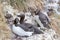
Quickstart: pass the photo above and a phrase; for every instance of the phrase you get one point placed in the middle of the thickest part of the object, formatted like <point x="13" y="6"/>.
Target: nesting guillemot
<point x="18" y="30"/>
<point x="30" y="26"/>
<point x="9" y="18"/>
<point x="43" y="18"/>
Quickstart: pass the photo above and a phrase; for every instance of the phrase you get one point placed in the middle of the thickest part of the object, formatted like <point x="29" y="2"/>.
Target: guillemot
<point x="43" y="18"/>
<point x="18" y="30"/>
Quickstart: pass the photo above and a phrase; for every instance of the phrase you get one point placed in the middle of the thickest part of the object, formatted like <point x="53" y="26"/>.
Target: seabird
<point x="18" y="30"/>
<point x="9" y="19"/>
<point x="44" y="20"/>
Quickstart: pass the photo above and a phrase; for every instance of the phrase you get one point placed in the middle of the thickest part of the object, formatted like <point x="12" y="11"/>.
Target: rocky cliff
<point x="20" y="5"/>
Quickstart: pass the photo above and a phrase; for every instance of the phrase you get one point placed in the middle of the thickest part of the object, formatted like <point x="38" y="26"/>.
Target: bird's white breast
<point x="19" y="31"/>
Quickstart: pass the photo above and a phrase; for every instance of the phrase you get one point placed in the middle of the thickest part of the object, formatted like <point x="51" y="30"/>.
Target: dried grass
<point x="55" y="22"/>
<point x="4" y="30"/>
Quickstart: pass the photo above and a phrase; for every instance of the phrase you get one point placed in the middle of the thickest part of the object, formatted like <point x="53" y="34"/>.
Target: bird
<point x="18" y="30"/>
<point x="43" y="18"/>
<point x="28" y="25"/>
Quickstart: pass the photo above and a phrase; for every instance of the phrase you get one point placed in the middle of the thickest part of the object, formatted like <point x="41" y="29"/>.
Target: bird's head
<point x="8" y="16"/>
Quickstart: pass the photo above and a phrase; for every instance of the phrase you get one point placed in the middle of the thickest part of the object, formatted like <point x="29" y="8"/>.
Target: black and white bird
<point x="43" y="18"/>
<point x="19" y="30"/>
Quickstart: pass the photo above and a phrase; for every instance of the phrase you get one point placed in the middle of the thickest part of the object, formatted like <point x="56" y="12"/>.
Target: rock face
<point x="4" y="30"/>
